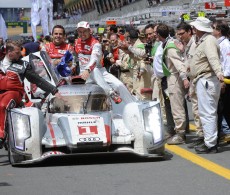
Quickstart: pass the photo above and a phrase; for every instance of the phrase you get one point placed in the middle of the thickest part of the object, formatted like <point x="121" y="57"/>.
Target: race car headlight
<point x="21" y="129"/>
<point x="152" y="122"/>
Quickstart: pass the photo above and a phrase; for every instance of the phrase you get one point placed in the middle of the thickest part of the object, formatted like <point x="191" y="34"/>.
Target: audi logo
<point x="89" y="139"/>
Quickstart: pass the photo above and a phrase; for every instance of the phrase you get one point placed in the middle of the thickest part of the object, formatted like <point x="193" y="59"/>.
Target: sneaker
<point x="115" y="97"/>
<point x="196" y="142"/>
<point x="176" y="140"/>
<point x="168" y="135"/>
<point x="200" y="133"/>
<point x="224" y="139"/>
<point x="203" y="149"/>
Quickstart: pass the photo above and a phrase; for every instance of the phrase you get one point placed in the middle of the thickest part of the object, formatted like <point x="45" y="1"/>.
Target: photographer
<point x="139" y="70"/>
<point x="115" y="55"/>
<point x="152" y="43"/>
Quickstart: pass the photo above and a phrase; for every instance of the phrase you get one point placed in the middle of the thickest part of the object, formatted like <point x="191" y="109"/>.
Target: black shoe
<point x="196" y="142"/>
<point x="1" y="143"/>
<point x="203" y="149"/>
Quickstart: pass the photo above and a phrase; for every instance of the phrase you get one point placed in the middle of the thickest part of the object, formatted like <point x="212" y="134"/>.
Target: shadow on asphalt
<point x="4" y="160"/>
<point x="96" y="159"/>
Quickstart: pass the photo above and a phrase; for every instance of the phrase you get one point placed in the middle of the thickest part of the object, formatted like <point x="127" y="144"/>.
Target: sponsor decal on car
<point x="90" y="139"/>
<point x="52" y="153"/>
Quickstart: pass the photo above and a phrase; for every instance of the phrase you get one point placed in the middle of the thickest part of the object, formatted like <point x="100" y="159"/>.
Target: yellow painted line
<point x="196" y="159"/>
<point x="192" y="127"/>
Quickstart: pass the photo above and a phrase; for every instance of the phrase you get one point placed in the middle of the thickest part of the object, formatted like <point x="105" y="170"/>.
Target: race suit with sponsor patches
<point x="12" y="75"/>
<point x="89" y="54"/>
<point x="56" y="52"/>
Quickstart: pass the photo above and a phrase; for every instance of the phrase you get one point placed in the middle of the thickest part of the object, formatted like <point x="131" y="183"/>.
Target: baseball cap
<point x="83" y="24"/>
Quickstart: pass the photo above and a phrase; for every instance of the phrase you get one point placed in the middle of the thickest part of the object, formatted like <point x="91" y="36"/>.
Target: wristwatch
<point x="88" y="70"/>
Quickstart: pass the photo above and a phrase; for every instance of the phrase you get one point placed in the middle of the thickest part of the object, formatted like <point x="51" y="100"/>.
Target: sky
<point x="15" y="3"/>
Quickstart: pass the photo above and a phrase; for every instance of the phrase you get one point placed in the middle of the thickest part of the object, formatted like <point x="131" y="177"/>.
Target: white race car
<point x="82" y="122"/>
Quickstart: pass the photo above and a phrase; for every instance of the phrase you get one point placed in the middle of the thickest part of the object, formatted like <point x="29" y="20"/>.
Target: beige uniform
<point x="205" y="68"/>
<point x="176" y="88"/>
<point x="138" y="65"/>
<point x="188" y="54"/>
<point x="126" y="76"/>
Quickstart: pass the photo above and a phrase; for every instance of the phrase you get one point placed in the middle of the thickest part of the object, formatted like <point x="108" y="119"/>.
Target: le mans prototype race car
<point x="82" y="122"/>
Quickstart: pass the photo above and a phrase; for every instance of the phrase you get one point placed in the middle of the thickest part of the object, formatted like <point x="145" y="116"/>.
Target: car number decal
<point x="87" y="130"/>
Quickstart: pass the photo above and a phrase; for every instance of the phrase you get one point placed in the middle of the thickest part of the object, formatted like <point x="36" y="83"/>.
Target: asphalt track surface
<point x="183" y="172"/>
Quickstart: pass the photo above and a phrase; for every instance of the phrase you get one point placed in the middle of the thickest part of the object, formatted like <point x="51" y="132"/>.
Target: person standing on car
<point x="13" y="71"/>
<point x="89" y="52"/>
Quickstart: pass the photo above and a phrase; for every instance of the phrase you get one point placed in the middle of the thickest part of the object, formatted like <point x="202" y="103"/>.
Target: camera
<point x="148" y="49"/>
<point x="104" y="40"/>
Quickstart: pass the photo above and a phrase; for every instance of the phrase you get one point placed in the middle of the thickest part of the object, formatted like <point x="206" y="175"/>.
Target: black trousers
<point x="168" y="111"/>
<point x="224" y="108"/>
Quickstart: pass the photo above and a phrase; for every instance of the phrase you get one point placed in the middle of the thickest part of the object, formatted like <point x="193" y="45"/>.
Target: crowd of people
<point x="157" y="62"/>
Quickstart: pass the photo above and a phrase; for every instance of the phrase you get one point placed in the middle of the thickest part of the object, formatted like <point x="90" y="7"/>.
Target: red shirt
<point x="57" y="51"/>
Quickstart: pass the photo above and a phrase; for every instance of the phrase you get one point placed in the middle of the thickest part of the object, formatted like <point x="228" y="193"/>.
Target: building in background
<point x="14" y="11"/>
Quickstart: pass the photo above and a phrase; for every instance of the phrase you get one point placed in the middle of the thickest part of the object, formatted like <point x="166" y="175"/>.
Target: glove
<point x="63" y="68"/>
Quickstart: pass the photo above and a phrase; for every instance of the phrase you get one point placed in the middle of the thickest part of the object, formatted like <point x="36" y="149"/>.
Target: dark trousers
<point x="168" y="112"/>
<point x="224" y="108"/>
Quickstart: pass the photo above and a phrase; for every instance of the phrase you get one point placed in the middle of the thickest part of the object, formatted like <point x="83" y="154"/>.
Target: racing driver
<point x="12" y="73"/>
<point x="89" y="52"/>
<point x="58" y="47"/>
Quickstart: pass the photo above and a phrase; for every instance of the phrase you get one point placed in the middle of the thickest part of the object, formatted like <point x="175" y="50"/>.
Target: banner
<point x="35" y="18"/>
<point x="50" y="7"/>
<point x="44" y="17"/>
<point x="201" y="14"/>
<point x="226" y="3"/>
<point x="186" y="17"/>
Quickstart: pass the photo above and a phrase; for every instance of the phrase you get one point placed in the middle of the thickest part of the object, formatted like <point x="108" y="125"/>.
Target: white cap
<point x="83" y="24"/>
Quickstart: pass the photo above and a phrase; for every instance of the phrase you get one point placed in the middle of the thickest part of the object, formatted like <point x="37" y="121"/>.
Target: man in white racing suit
<point x="89" y="52"/>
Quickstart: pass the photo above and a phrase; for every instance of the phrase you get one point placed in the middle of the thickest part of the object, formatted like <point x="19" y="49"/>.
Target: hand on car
<point x="58" y="95"/>
<point x="85" y="75"/>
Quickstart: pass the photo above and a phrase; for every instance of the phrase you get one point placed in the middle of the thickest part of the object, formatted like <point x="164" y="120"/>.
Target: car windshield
<point x="79" y="104"/>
